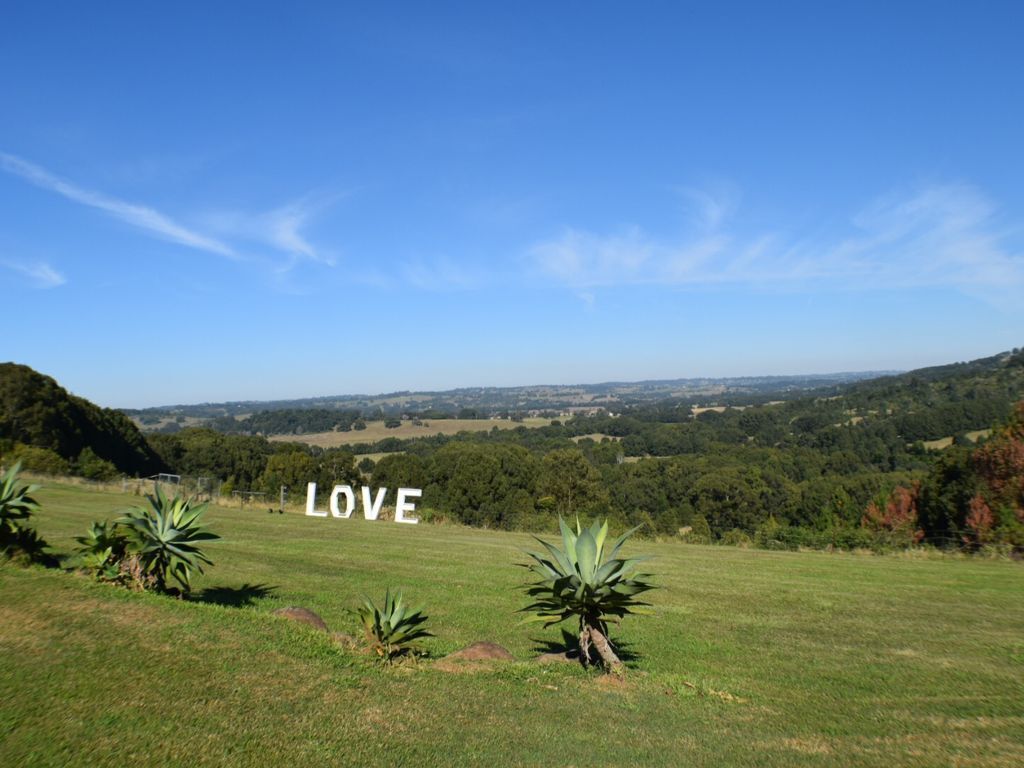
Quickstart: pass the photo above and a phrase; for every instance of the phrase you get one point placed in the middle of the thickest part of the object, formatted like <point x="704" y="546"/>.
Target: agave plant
<point x="102" y="550"/>
<point x="165" y="537"/>
<point x="16" y="503"/>
<point x="587" y="580"/>
<point x="391" y="631"/>
<point x="16" y="507"/>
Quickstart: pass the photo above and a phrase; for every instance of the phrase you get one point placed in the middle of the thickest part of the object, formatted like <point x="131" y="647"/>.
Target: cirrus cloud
<point x="934" y="236"/>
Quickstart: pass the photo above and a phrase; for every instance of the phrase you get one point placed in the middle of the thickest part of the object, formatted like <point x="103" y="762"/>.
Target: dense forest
<point x="862" y="464"/>
<point x="57" y="432"/>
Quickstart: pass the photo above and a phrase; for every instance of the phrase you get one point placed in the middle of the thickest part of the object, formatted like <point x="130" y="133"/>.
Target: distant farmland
<point x="375" y="430"/>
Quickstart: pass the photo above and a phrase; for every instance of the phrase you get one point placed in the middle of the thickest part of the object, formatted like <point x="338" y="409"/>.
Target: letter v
<point x="371" y="510"/>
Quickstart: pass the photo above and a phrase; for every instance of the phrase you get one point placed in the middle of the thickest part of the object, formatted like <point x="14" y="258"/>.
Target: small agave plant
<point x="391" y="631"/>
<point x="102" y="550"/>
<point x="586" y="580"/>
<point x="165" y="537"/>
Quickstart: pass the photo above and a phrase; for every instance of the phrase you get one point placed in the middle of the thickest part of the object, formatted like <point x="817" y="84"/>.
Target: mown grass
<point x="375" y="430"/>
<point x="753" y="658"/>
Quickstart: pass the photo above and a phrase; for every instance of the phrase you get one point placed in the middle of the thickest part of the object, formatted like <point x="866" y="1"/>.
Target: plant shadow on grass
<point x="569" y="647"/>
<point x="234" y="597"/>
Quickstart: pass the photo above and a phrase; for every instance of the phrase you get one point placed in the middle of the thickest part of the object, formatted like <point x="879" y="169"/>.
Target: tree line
<point x="832" y="470"/>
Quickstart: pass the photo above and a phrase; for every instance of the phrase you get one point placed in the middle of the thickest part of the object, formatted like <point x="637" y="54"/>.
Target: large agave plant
<point x="16" y="507"/>
<point x="586" y="579"/>
<point x="391" y="631"/>
<point x="16" y="502"/>
<point x="165" y="536"/>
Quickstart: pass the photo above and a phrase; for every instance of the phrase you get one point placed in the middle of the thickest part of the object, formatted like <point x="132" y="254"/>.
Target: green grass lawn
<point x="754" y="658"/>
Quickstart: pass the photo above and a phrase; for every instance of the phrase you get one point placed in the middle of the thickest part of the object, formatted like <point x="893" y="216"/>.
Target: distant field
<point x="375" y="430"/>
<point x="597" y="437"/>
<point x="752" y="658"/>
<point x="945" y="442"/>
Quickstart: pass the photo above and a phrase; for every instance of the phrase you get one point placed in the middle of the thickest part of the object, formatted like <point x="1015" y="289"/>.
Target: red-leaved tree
<point x="999" y="464"/>
<point x="980" y="522"/>
<point x="899" y="518"/>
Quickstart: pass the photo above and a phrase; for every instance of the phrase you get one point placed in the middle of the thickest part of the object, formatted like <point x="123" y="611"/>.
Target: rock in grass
<point x="303" y="615"/>
<point x="481" y="652"/>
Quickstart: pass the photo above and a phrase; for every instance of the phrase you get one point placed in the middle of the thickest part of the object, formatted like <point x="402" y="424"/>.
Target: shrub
<point x="36" y="459"/>
<point x="699" y="532"/>
<point x="393" y="630"/>
<point x="165" y="538"/>
<point x="17" y="538"/>
<point x="92" y="467"/>
<point x="102" y="550"/>
<point x="585" y="580"/>
<point x="736" y="538"/>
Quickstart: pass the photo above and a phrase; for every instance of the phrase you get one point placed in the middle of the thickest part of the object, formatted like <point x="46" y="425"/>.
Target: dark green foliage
<point x="573" y="482"/>
<point x="700" y="531"/>
<point x="481" y="484"/>
<point x="287" y="421"/>
<point x="399" y="470"/>
<point x="92" y="467"/>
<point x="35" y="459"/>
<point x="203" y="452"/>
<point x="36" y="411"/>
<point x="294" y="465"/>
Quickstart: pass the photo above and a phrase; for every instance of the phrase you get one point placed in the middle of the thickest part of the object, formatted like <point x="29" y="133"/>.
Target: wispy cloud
<point x="440" y="275"/>
<point x="280" y="229"/>
<point x="939" y="235"/>
<point x="41" y="274"/>
<point x="137" y="215"/>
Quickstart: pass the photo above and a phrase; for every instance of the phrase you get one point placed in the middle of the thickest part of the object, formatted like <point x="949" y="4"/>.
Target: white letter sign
<point x="402" y="506"/>
<point x="311" y="502"/>
<point x="371" y="509"/>
<point x="372" y="503"/>
<point x="350" y="501"/>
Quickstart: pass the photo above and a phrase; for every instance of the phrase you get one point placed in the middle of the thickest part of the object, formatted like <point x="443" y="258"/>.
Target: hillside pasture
<point x="752" y="657"/>
<point x="375" y="430"/>
<point x="944" y="442"/>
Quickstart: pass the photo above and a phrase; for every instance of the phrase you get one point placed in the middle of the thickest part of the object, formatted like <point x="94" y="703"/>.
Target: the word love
<point x="372" y="503"/>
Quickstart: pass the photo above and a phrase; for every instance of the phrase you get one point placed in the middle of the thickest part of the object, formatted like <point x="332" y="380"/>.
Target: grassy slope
<point x="375" y="430"/>
<point x="835" y="659"/>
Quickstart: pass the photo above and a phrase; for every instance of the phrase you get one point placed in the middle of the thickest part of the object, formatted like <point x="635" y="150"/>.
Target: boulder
<point x="303" y="615"/>
<point x="481" y="652"/>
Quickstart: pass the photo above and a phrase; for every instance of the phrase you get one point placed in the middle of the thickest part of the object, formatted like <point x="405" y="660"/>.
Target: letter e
<point x="402" y="506"/>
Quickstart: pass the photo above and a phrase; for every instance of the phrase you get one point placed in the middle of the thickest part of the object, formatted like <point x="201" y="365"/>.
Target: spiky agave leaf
<point x="393" y="630"/>
<point x="166" y="537"/>
<point x="586" y="579"/>
<point x="16" y="501"/>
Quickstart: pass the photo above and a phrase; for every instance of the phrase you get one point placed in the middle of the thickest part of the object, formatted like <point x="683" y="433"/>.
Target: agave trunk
<point x="592" y="634"/>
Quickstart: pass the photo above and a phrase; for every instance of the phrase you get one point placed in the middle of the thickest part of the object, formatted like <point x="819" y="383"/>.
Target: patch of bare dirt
<point x="472" y="658"/>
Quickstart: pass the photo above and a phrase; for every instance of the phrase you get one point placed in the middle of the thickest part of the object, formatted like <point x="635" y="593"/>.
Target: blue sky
<point x="217" y="201"/>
